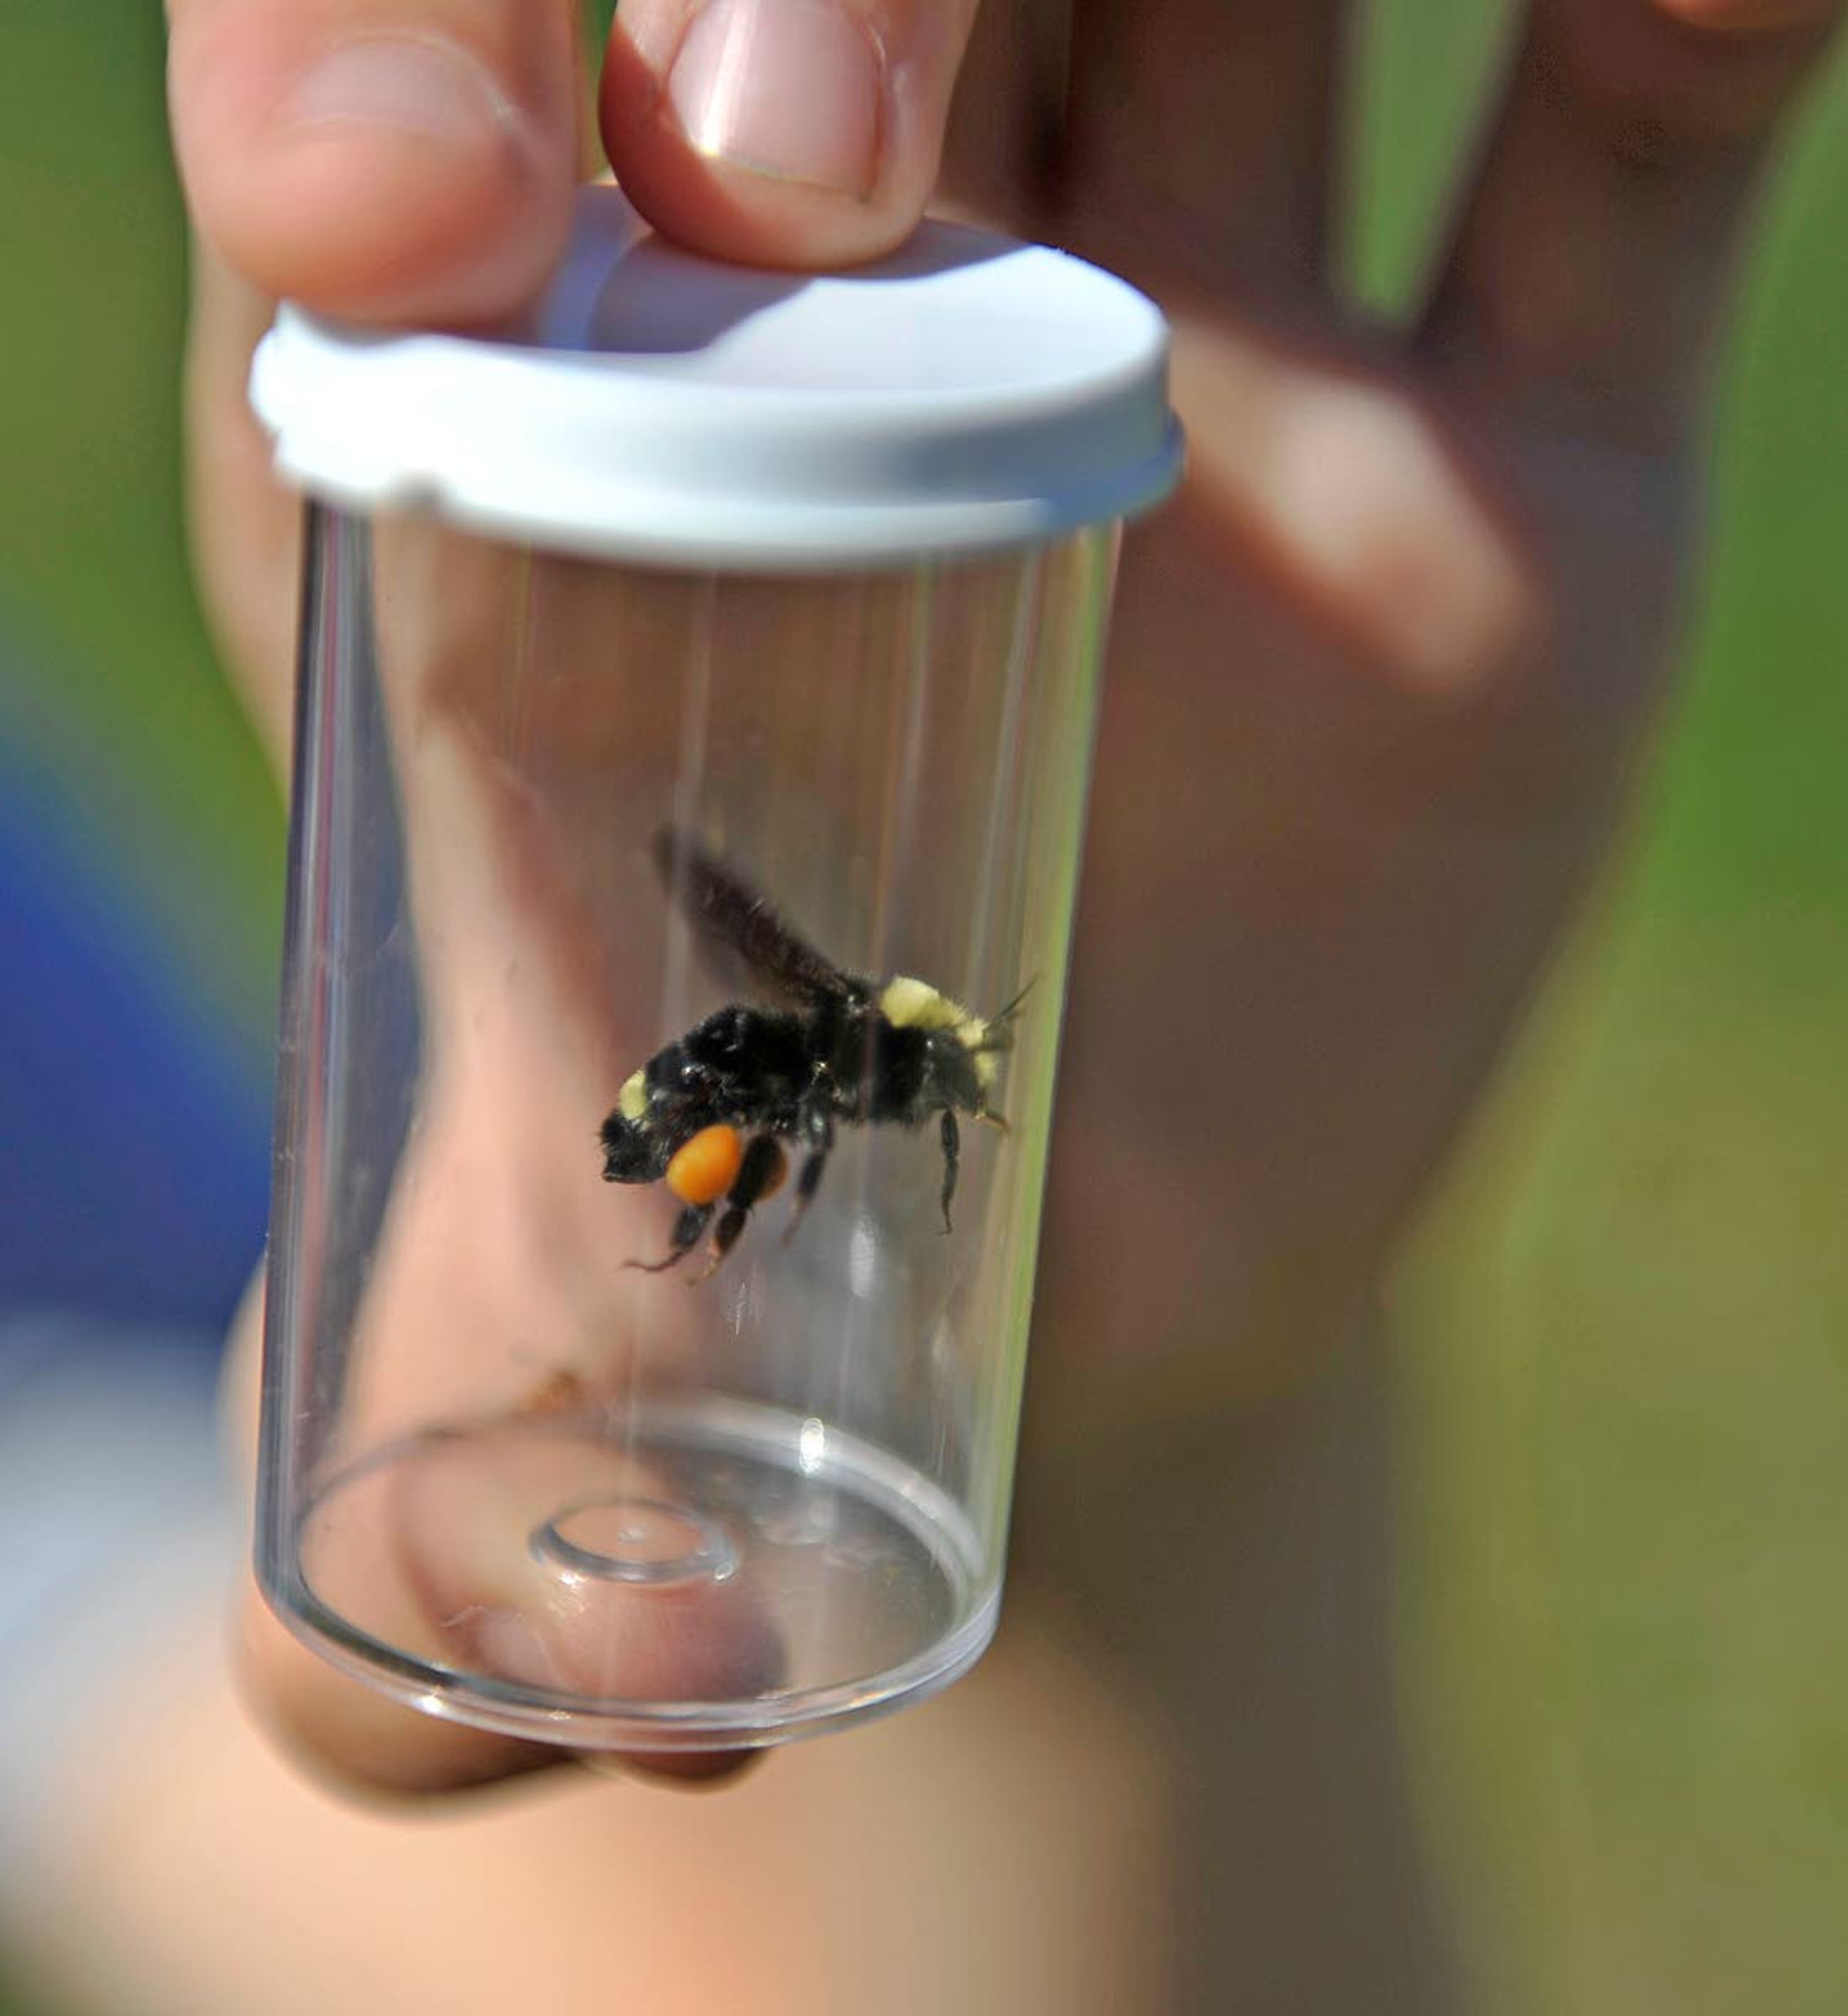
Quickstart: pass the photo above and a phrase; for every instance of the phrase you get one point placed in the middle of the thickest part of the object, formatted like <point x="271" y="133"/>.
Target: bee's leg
<point x="724" y="1239"/>
<point x="807" y="1184"/>
<point x="818" y="1133"/>
<point x="760" y="1174"/>
<point x="953" y="1149"/>
<point x="688" y="1227"/>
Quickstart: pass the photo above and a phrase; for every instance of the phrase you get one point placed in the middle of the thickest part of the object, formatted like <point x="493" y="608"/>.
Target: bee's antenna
<point x="1001" y="1019"/>
<point x="995" y="1034"/>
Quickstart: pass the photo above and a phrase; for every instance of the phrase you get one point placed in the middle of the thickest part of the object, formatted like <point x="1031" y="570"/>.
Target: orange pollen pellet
<point x="705" y="1167"/>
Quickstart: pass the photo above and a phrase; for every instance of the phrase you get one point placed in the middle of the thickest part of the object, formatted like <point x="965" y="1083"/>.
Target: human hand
<point x="1381" y="673"/>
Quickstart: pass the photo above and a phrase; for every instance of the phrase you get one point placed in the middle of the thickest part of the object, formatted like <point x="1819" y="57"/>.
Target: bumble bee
<point x="710" y="1112"/>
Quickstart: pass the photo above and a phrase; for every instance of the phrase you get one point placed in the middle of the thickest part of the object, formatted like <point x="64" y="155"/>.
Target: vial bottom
<point x="714" y="1573"/>
<point x="634" y="1540"/>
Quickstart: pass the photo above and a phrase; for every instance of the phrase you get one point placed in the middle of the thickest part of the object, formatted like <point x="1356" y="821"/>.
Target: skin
<point x="1416" y="603"/>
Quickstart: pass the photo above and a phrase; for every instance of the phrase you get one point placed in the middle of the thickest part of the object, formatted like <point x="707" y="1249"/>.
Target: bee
<point x="712" y="1111"/>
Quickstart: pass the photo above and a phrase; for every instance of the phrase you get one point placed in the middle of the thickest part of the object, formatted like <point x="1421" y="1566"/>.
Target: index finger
<point x="381" y="159"/>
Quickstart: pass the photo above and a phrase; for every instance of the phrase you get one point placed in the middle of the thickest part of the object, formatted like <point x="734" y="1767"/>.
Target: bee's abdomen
<point x="737" y="1053"/>
<point x="751" y="1068"/>
<point x="753" y="1043"/>
<point x="633" y="1152"/>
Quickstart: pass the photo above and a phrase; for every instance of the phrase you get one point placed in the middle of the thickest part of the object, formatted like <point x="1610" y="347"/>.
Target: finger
<point x="494" y="1295"/>
<point x="379" y="159"/>
<point x="349" y="1732"/>
<point x="446" y="1573"/>
<point x="392" y="159"/>
<point x="355" y="1735"/>
<point x="1593" y="261"/>
<point x="245" y="526"/>
<point x="782" y="132"/>
<point x="1196" y="131"/>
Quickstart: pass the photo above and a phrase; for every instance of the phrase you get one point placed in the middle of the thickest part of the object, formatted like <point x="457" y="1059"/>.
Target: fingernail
<point x="426" y="87"/>
<point x="790" y="89"/>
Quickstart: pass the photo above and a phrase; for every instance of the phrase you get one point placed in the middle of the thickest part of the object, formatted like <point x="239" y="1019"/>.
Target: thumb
<point x="782" y="132"/>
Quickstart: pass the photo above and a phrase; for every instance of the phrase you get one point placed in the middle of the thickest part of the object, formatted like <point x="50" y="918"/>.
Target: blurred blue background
<point x="134" y="1117"/>
<point x="1624" y="1336"/>
<point x="139" y="837"/>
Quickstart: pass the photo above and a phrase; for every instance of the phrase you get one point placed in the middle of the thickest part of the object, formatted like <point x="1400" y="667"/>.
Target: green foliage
<point x="92" y="558"/>
<point x="1627" y="1334"/>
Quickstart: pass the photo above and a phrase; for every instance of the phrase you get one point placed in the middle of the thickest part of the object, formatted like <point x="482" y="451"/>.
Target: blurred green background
<point x="1624" y="1334"/>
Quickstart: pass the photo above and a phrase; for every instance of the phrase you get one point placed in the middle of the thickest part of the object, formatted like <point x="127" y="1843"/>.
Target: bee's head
<point x="964" y="1050"/>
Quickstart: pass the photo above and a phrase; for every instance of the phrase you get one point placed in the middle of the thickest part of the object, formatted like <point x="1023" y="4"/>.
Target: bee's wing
<point x="733" y="918"/>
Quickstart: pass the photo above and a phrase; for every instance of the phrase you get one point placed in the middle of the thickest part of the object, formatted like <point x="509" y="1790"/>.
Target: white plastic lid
<point x="967" y="394"/>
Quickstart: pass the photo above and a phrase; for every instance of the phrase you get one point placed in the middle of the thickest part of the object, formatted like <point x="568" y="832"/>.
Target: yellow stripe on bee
<point x="915" y="1004"/>
<point x="631" y="1101"/>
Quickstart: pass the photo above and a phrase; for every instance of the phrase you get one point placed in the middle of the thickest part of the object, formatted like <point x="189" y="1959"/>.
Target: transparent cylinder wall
<point x="544" y="808"/>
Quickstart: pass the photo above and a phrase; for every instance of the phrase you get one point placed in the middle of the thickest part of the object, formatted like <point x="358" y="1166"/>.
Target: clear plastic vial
<point x="697" y="689"/>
